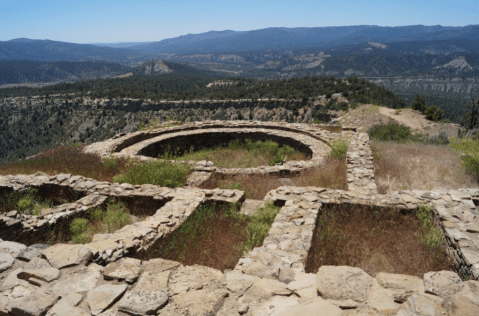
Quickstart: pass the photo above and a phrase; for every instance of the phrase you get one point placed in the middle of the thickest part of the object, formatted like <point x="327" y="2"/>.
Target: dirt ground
<point x="367" y="237"/>
<point x="367" y="115"/>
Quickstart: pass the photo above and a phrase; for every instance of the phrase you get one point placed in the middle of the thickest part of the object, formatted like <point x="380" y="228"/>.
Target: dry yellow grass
<point x="418" y="166"/>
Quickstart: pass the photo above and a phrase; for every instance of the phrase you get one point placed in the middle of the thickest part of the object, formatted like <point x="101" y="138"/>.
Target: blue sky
<point x="88" y="21"/>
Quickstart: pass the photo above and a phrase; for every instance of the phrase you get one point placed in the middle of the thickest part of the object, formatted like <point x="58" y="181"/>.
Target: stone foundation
<point x="98" y="279"/>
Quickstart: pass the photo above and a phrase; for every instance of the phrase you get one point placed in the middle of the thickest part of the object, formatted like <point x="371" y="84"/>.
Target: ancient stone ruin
<point x="102" y="277"/>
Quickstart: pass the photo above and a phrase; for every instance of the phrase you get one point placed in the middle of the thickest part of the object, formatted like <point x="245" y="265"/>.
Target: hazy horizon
<point x="108" y="21"/>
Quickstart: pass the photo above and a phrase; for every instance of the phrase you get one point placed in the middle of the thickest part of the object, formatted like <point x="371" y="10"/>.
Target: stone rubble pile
<point x="49" y="284"/>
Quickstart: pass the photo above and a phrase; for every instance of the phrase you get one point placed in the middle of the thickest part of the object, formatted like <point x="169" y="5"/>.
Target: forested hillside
<point x="93" y="110"/>
<point x="21" y="71"/>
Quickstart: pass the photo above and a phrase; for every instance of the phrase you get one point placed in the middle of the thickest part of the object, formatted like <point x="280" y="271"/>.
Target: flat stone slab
<point x="343" y="283"/>
<point x="143" y="302"/>
<point x="442" y="283"/>
<point x="249" y="207"/>
<point x="6" y="261"/>
<point x="127" y="269"/>
<point x="102" y="297"/>
<point x="32" y="251"/>
<point x="81" y="282"/>
<point x="45" y="274"/>
<point x="12" y="248"/>
<point x="68" y="306"/>
<point x="63" y="255"/>
<point x="35" y="304"/>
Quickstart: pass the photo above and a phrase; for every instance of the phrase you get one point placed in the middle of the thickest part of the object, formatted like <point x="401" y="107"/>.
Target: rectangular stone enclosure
<point x="378" y="239"/>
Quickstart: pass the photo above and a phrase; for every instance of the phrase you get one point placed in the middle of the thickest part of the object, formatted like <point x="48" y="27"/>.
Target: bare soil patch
<point x="209" y="237"/>
<point x="418" y="166"/>
<point x="373" y="239"/>
<point x="365" y="116"/>
<point x="331" y="174"/>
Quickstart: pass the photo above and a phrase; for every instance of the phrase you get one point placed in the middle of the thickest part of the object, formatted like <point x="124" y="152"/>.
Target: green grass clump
<point x="158" y="172"/>
<point x="469" y="147"/>
<point x="429" y="235"/>
<point x="339" y="148"/>
<point x="99" y="222"/>
<point x="259" y="225"/>
<point x="82" y="230"/>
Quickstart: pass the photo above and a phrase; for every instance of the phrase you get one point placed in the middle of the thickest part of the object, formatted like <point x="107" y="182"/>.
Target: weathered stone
<point x="286" y="275"/>
<point x="200" y="303"/>
<point x="342" y="283"/>
<point x="68" y="306"/>
<point x="314" y="307"/>
<point x="37" y="264"/>
<point x="274" y="306"/>
<point x="262" y="271"/>
<point x="460" y="306"/>
<point x="6" y="261"/>
<point x="44" y="274"/>
<point x="32" y="251"/>
<point x="11" y="280"/>
<point x="143" y="302"/>
<point x="63" y="255"/>
<point x="407" y="283"/>
<point x="263" y="289"/>
<point x="193" y="278"/>
<point x="127" y="269"/>
<point x="12" y="248"/>
<point x="36" y="304"/>
<point x="81" y="282"/>
<point x="148" y="296"/>
<point x="347" y="304"/>
<point x="381" y="299"/>
<point x="238" y="282"/>
<point x="442" y="283"/>
<point x="102" y="297"/>
<point x="425" y="304"/>
<point x="302" y="281"/>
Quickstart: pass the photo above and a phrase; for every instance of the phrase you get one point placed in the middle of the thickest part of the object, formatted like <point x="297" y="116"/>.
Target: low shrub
<point x="159" y="172"/>
<point x="393" y="132"/>
<point x="471" y="163"/>
<point x="390" y="132"/>
<point x="26" y="201"/>
<point x="469" y="149"/>
<point x="339" y="148"/>
<point x="439" y="139"/>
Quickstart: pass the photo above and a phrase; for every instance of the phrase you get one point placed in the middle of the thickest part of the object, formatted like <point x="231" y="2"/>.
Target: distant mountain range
<point x="364" y="50"/>
<point x="301" y="38"/>
<point x="21" y="71"/>
<point x="46" y="50"/>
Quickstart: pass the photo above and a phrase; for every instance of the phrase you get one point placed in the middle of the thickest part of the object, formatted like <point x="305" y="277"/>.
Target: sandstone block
<point x="342" y="283"/>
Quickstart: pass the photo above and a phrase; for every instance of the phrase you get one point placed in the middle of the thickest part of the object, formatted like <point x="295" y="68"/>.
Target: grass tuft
<point x="339" y="149"/>
<point x="247" y="154"/>
<point x="158" y="172"/>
